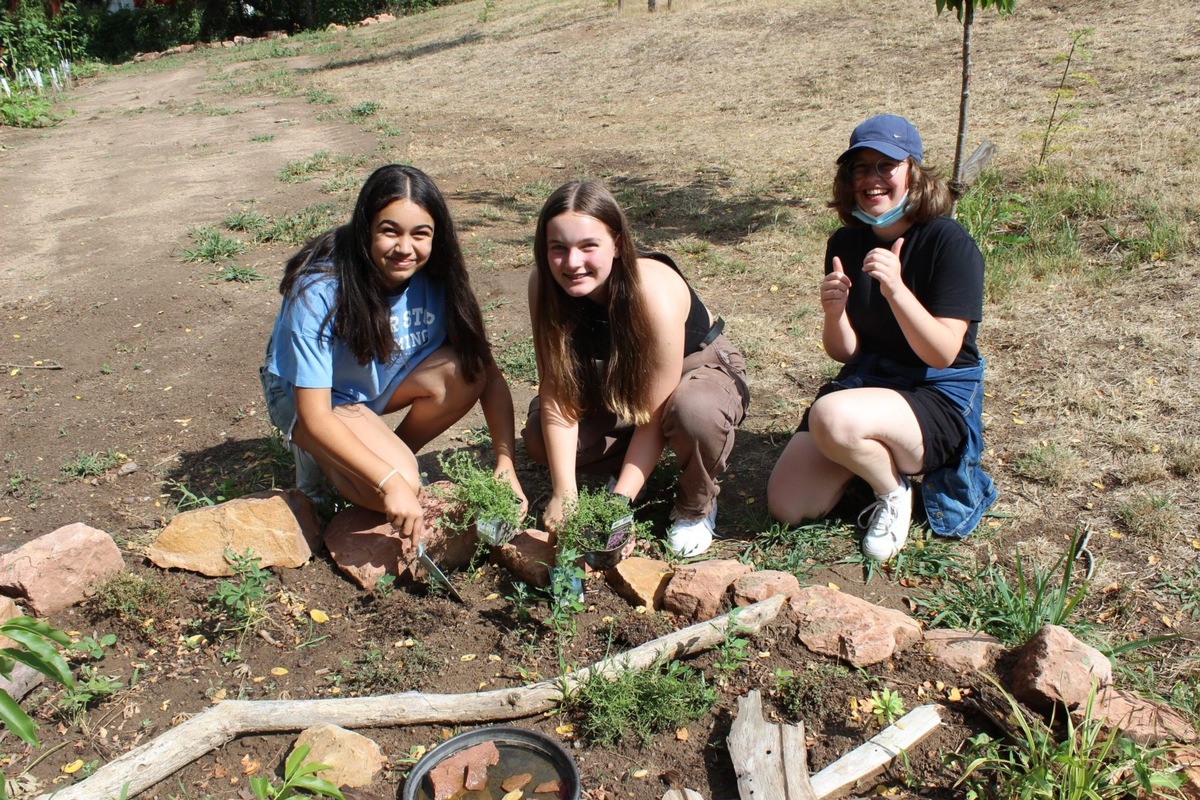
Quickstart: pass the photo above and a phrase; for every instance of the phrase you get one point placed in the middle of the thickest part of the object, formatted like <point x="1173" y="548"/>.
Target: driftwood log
<point x="771" y="761"/>
<point x="161" y="757"/>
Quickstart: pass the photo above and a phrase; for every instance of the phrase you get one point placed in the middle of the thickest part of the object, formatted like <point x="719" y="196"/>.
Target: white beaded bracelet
<point x="385" y="479"/>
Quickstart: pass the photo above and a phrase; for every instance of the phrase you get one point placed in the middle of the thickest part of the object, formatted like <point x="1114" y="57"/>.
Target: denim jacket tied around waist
<point x="956" y="495"/>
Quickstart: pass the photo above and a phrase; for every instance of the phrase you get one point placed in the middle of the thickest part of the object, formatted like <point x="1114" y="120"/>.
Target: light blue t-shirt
<point x="304" y="355"/>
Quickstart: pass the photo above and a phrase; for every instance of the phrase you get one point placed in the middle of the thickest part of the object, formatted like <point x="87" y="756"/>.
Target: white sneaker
<point x="691" y="537"/>
<point x="887" y="528"/>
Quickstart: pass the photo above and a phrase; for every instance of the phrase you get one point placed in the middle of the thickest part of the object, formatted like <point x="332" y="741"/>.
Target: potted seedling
<point x="598" y="525"/>
<point x="489" y="504"/>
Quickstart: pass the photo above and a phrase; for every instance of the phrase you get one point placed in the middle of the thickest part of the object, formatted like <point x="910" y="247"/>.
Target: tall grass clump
<point x="1013" y="609"/>
<point x="1086" y="760"/>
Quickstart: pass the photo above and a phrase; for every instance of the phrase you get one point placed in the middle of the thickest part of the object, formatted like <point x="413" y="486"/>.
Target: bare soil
<point x="718" y="123"/>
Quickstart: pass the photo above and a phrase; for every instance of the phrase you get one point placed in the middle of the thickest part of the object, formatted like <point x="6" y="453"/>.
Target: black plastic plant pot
<point x="609" y="555"/>
<point x="522" y="751"/>
<point x="494" y="532"/>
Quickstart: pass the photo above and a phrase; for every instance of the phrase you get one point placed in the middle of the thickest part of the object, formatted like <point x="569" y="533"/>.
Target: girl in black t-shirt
<point x="902" y="297"/>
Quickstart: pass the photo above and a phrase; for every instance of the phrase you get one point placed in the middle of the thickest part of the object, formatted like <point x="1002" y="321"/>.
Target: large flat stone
<point x="281" y="527"/>
<point x="837" y="624"/>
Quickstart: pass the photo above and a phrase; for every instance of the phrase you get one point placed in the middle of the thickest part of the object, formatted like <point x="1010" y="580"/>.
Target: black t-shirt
<point x="939" y="263"/>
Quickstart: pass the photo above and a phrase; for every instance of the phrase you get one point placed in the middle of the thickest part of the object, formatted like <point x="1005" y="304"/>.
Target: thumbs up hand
<point x="835" y="289"/>
<point x="883" y="264"/>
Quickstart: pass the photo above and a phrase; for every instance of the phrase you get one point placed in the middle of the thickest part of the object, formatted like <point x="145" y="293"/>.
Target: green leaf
<point x="17" y="721"/>
<point x="35" y="626"/>
<point x="40" y="655"/>
<point x="318" y="785"/>
<point x="295" y="760"/>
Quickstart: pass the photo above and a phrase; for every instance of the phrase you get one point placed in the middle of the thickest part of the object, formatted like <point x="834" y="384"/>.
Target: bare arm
<point x="372" y="481"/>
<point x="559" y="434"/>
<point x="837" y="335"/>
<point x="668" y="301"/>
<point x="497" y="406"/>
<point x="935" y="340"/>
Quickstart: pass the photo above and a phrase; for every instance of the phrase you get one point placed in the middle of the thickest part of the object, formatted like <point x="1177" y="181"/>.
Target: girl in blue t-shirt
<point x="378" y="316"/>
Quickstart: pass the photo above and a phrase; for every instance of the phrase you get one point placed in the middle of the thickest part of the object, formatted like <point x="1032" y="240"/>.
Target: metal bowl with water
<point x="522" y="751"/>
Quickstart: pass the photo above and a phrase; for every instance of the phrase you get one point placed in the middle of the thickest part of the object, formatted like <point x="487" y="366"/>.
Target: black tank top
<point x="593" y="319"/>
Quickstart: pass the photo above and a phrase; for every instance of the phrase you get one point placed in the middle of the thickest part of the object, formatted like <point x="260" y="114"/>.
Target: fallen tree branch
<point x="150" y="763"/>
<point x="32" y="366"/>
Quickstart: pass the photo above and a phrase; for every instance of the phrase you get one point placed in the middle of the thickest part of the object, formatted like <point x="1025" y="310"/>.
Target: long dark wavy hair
<point x="361" y="313"/>
<point x="928" y="195"/>
<point x="566" y="353"/>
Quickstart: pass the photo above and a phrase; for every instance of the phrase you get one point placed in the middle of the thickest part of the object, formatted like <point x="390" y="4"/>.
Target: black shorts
<point x="943" y="430"/>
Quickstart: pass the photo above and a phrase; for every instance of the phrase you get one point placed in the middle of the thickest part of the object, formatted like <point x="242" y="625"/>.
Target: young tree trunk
<point x="960" y="146"/>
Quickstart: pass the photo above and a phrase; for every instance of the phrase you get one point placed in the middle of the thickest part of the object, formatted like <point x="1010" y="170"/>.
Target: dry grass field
<point x="717" y="123"/>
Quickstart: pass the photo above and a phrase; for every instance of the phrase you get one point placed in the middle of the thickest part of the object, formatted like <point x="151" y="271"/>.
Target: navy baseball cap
<point x="889" y="134"/>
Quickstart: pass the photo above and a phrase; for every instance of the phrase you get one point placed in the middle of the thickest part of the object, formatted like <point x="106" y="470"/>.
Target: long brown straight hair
<point x="566" y="356"/>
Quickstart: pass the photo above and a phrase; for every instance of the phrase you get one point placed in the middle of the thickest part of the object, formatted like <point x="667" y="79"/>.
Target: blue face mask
<point x="886" y="218"/>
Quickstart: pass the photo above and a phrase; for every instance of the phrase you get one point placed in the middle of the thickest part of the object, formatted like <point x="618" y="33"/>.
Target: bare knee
<point x="789" y="502"/>
<point x="531" y="435"/>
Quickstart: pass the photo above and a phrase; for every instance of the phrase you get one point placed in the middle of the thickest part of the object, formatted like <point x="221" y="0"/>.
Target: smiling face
<point x="401" y="241"/>
<point x="880" y="182"/>
<point x="580" y="250"/>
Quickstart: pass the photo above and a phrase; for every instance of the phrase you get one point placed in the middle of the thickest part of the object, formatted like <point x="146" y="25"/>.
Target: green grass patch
<point x="518" y="360"/>
<point x="90" y="465"/>
<point x="235" y="273"/>
<point x="1085" y="759"/>
<point x="637" y="704"/>
<point x="1013" y="609"/>
<point x="211" y="245"/>
<point x="304" y="224"/>
<point x="797" y="549"/>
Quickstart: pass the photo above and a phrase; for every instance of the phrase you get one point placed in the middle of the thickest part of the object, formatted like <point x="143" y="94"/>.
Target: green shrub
<point x="640" y="703"/>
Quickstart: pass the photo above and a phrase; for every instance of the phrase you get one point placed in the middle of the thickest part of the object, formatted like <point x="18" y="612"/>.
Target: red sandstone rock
<point x="1054" y="667"/>
<point x="696" y="591"/>
<point x="465" y="770"/>
<point x="965" y="651"/>
<point x="527" y="556"/>
<point x="59" y="569"/>
<point x="1147" y="722"/>
<point x="365" y="546"/>
<point x="837" y="624"/>
<point x="756" y="586"/>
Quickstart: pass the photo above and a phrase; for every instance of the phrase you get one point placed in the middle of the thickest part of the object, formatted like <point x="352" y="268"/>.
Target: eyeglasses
<point x="884" y="168"/>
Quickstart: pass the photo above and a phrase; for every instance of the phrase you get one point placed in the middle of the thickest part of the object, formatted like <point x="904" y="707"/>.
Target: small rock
<point x="843" y="626"/>
<point x="641" y="581"/>
<point x="756" y="586"/>
<point x="366" y="547"/>
<point x="696" y="591"/>
<point x="353" y="759"/>
<point x="965" y="651"/>
<point x="527" y="556"/>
